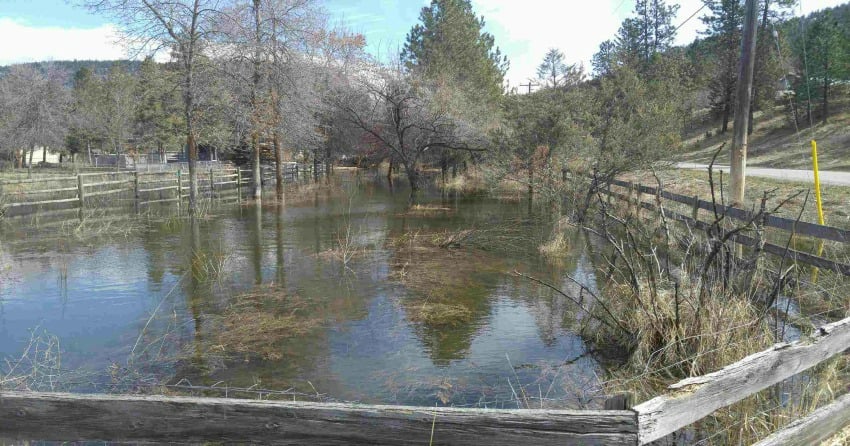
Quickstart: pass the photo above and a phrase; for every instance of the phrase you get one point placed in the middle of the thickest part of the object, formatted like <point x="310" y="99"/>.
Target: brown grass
<point x="258" y="321"/>
<point x="439" y="277"/>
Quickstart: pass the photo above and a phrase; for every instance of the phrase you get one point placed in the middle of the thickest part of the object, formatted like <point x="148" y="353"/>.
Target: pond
<point x="345" y="293"/>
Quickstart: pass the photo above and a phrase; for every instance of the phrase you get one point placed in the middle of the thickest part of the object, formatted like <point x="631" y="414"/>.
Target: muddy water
<point x="129" y="307"/>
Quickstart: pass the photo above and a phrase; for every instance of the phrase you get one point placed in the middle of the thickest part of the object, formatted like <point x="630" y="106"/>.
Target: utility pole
<point x="529" y="85"/>
<point x="738" y="165"/>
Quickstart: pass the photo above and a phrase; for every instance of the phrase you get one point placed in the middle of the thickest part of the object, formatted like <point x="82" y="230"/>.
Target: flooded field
<point x="346" y="294"/>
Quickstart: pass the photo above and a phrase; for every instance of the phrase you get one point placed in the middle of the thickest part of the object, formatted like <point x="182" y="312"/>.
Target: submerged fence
<point x="132" y="187"/>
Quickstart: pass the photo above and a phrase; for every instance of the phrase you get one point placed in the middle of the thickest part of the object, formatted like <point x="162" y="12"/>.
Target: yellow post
<point x="817" y="182"/>
<point x="819" y="202"/>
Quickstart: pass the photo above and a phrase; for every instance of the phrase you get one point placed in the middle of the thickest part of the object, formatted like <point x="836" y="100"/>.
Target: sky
<point x="37" y="30"/>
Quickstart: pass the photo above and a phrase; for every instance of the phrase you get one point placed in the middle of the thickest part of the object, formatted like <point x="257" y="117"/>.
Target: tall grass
<point x="679" y="302"/>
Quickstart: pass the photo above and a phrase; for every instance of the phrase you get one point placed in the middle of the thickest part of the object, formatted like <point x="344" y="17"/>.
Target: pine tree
<point x="555" y="73"/>
<point x="648" y="33"/>
<point x="724" y="32"/>
<point x="449" y="45"/>
<point x="157" y="120"/>
<point x="828" y="59"/>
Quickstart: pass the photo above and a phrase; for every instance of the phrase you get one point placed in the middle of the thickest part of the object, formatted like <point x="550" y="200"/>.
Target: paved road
<point x="805" y="176"/>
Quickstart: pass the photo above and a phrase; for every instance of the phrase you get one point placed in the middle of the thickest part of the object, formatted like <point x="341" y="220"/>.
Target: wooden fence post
<point x="179" y="185"/>
<point x="239" y="184"/>
<point x="81" y="191"/>
<point x="136" y="184"/>
<point x="695" y="210"/>
<point x="212" y="184"/>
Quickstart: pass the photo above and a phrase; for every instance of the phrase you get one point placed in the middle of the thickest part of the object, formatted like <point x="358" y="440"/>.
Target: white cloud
<point x="26" y="43"/>
<point x="525" y="30"/>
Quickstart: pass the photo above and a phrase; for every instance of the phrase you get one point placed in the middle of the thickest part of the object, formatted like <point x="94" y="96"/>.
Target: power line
<point x="704" y="4"/>
<point x="622" y="2"/>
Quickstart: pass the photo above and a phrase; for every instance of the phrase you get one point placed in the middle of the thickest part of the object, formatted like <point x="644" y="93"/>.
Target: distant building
<point x="41" y="155"/>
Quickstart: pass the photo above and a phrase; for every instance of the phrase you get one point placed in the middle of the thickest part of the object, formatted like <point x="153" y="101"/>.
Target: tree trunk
<point x="278" y="166"/>
<point x="825" y="100"/>
<point x="44" y="155"/>
<point x="256" y="171"/>
<point x="255" y="132"/>
<point x="726" y="112"/>
<point x="192" y="158"/>
<point x="316" y="165"/>
<point x="29" y="168"/>
<point x="413" y="176"/>
<point x="88" y="149"/>
<point x="530" y="183"/>
<point x="390" y="172"/>
<point x="444" y="167"/>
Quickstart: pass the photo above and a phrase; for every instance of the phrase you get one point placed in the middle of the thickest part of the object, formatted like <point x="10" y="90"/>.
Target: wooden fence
<point x="63" y="416"/>
<point x="634" y="192"/>
<point x="28" y="196"/>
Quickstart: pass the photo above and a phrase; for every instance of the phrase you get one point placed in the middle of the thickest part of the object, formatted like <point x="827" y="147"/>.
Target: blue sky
<point x="53" y="29"/>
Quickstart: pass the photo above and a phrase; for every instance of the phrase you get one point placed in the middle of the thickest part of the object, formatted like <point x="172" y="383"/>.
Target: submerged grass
<point x="440" y="278"/>
<point x="258" y="321"/>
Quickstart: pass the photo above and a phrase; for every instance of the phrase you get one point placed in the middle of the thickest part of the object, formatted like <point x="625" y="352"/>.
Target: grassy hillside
<point x="776" y="143"/>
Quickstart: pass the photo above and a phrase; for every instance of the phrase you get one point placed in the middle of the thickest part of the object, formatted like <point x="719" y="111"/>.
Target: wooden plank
<point x="63" y="416"/>
<point x="109" y="183"/>
<point x="158" y="189"/>
<point x="106" y="192"/>
<point x="97" y="174"/>
<point x="770" y="248"/>
<point x="786" y="224"/>
<point x="695" y="398"/>
<point x="815" y="428"/>
<point x="39" y="203"/>
<point x="38" y="180"/>
<point x="43" y="191"/>
<point x="164" y="200"/>
<point x="225" y="183"/>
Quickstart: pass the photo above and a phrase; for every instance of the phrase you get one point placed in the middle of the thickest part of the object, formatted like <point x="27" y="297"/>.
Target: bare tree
<point x="401" y="112"/>
<point x="265" y="38"/>
<point x="184" y="26"/>
<point x="34" y="109"/>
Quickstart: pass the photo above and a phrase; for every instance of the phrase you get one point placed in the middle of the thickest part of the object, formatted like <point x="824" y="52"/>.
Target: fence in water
<point x="109" y="188"/>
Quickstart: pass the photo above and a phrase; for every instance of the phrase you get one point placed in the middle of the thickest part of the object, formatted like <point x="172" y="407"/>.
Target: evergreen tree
<point x="828" y="60"/>
<point x="724" y="31"/>
<point x="554" y="73"/>
<point x="648" y="33"/>
<point x="605" y="60"/>
<point x="84" y="130"/>
<point x="450" y="46"/>
<point x="157" y="120"/>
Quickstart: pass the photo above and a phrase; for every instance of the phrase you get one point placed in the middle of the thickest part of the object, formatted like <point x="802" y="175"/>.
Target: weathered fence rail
<point x="63" y="416"/>
<point x="695" y="398"/>
<point x="31" y="195"/>
<point x="819" y="426"/>
<point x="57" y="416"/>
<point x="786" y="224"/>
<point x="792" y="226"/>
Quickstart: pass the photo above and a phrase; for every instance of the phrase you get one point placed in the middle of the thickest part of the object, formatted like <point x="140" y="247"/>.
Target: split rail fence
<point x="64" y="416"/>
<point x="106" y="188"/>
<point x="633" y="195"/>
<point x="75" y="417"/>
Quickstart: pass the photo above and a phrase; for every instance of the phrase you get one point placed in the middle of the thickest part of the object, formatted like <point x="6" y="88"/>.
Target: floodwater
<point x="124" y="309"/>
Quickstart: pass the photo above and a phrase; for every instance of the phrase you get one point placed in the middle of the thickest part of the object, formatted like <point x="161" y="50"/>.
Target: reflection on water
<point x="157" y="300"/>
